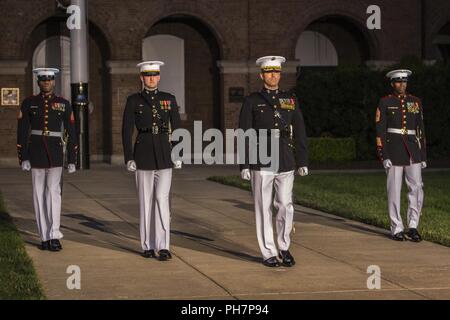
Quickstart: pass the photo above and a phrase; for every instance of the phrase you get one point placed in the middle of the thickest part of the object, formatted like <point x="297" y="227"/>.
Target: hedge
<point x="331" y="149"/>
<point x="341" y="102"/>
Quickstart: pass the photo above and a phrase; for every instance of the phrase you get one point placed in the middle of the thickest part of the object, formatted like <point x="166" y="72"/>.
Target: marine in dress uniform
<point x="270" y="109"/>
<point x="43" y="122"/>
<point x="155" y="115"/>
<point x="401" y="146"/>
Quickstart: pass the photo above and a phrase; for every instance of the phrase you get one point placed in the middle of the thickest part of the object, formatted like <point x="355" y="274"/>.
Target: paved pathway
<point x="214" y="245"/>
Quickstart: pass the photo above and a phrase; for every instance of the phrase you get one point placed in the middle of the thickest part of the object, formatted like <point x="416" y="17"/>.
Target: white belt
<point x="47" y="133"/>
<point x="402" y="131"/>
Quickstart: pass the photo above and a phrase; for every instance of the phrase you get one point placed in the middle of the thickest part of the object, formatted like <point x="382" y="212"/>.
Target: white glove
<point x="423" y="164"/>
<point x="303" y="171"/>
<point x="131" y="166"/>
<point x="245" y="174"/>
<point x="26" y="166"/>
<point x="177" y="164"/>
<point x="387" y="164"/>
<point x="71" y="168"/>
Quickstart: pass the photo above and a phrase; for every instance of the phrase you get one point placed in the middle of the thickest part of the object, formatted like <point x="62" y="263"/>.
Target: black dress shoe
<point x="44" y="245"/>
<point x="164" y="255"/>
<point x="413" y="235"/>
<point x="287" y="259"/>
<point x="149" y="254"/>
<point x="271" y="262"/>
<point x="399" y="236"/>
<point x="57" y="244"/>
<point x="54" y="245"/>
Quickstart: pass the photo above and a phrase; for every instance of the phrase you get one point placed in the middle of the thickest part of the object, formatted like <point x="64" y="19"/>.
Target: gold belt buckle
<point x="404" y="131"/>
<point x="45" y="133"/>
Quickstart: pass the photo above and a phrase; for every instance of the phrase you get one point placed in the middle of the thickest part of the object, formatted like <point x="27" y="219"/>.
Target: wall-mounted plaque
<point x="236" y="94"/>
<point x="10" y="97"/>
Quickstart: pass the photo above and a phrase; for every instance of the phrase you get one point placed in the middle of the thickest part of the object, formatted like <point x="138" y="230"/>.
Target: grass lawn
<point x="362" y="197"/>
<point x="18" y="278"/>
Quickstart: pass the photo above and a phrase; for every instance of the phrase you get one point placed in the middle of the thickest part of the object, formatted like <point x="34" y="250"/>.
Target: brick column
<point x="124" y="81"/>
<point x="12" y="75"/>
<point x="233" y="74"/>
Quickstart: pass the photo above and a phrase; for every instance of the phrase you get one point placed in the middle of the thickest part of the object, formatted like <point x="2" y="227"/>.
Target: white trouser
<point x="154" y="190"/>
<point x="47" y="201"/>
<point x="263" y="186"/>
<point x="413" y="178"/>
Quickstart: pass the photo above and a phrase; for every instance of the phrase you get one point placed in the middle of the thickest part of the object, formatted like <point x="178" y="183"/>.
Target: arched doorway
<point x="314" y="49"/>
<point x="192" y="48"/>
<point x="49" y="46"/>
<point x="332" y="41"/>
<point x="169" y="49"/>
<point x="55" y="52"/>
<point x="442" y="41"/>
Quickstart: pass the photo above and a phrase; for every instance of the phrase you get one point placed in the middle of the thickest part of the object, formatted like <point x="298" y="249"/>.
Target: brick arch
<point x="358" y="21"/>
<point x="437" y="29"/>
<point x="201" y="85"/>
<point x="439" y="24"/>
<point x="209" y="24"/>
<point x="101" y="38"/>
<point x="34" y="37"/>
<point x="104" y="35"/>
<point x="28" y="31"/>
<point x="99" y="82"/>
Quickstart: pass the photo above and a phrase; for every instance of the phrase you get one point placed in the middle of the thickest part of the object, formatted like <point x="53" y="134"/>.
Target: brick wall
<point x="243" y="30"/>
<point x="437" y="16"/>
<point x="8" y="117"/>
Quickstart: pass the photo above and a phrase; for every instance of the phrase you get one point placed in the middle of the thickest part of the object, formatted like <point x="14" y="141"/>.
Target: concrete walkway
<point x="214" y="245"/>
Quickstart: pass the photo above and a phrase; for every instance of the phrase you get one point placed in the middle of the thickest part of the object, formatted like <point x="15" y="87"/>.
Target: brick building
<point x="213" y="43"/>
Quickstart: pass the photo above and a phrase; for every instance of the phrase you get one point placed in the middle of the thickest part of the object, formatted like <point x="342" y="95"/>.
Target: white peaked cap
<point x="271" y="62"/>
<point x="150" y="66"/>
<point x="46" y="72"/>
<point x="399" y="74"/>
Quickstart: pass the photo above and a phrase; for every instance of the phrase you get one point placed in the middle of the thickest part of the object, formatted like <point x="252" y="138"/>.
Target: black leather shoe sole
<point x="44" y="246"/>
<point x="413" y="239"/>
<point x="54" y="246"/>
<point x="149" y="254"/>
<point x="399" y="237"/>
<point x="288" y="264"/>
<point x="164" y="256"/>
<point x="271" y="263"/>
<point x="286" y="261"/>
